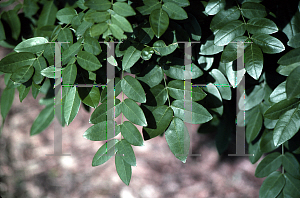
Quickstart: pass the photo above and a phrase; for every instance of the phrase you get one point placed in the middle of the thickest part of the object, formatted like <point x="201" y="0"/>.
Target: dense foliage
<point x="152" y="33"/>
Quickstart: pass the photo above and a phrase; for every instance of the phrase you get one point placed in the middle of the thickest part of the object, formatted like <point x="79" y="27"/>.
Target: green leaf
<point x="13" y="62"/>
<point x="255" y="97"/>
<point x="221" y="83"/>
<point x="268" y="165"/>
<point x="181" y="3"/>
<point x="254" y="61"/>
<point x="287" y="126"/>
<point x="98" y="29"/>
<point x="65" y="35"/>
<point x="43" y="120"/>
<point x="123" y="9"/>
<point x="147" y="53"/>
<point x="214" y="6"/>
<point x="178" y="139"/>
<point x="126" y="152"/>
<point x="197" y="114"/>
<point x="291" y="165"/>
<point x="176" y="69"/>
<point x="251" y="10"/>
<point x="92" y="46"/>
<point x="159" y="21"/>
<point x="285" y="70"/>
<point x="122" y="22"/>
<point x="100" y="5"/>
<point x="152" y="75"/>
<point x="82" y="28"/>
<point x="293" y="84"/>
<point x="30" y="8"/>
<point x="131" y="56"/>
<point x="209" y="48"/>
<point x="193" y="28"/>
<point x="23" y="90"/>
<point x="230" y="31"/>
<point x="105" y="152"/>
<point x="149" y="6"/>
<point x="279" y="93"/>
<point x="157" y="96"/>
<point x="98" y="132"/>
<point x="254" y="125"/>
<point x="33" y="45"/>
<point x="88" y="61"/>
<point x="146" y="34"/>
<point x="66" y="15"/>
<point x="162" y="49"/>
<point x="23" y="74"/>
<point x="230" y="51"/>
<point x="131" y="134"/>
<point x="99" y="114"/>
<point x="133" y="112"/>
<point x="291" y="57"/>
<point x="12" y="18"/>
<point x="72" y="104"/>
<point x="117" y="90"/>
<point x="272" y="185"/>
<point x="254" y="149"/>
<point x="268" y="44"/>
<point x="71" y="52"/>
<point x="176" y="91"/>
<point x="261" y="25"/>
<point x="97" y="17"/>
<point x="267" y="144"/>
<point x="123" y="169"/>
<point x="50" y="71"/>
<point x="35" y="90"/>
<point x="174" y="11"/>
<point x="133" y="89"/>
<point x="293" y="42"/>
<point x="2" y="32"/>
<point x="48" y="14"/>
<point x="223" y="17"/>
<point x="117" y="32"/>
<point x="89" y="96"/>
<point x="277" y="109"/>
<point x="291" y="187"/>
<point x="68" y="77"/>
<point x="7" y="98"/>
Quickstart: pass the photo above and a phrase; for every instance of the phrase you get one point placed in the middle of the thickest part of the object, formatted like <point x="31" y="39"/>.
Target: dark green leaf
<point x="117" y="90"/>
<point x="193" y="28"/>
<point x="2" y="32"/>
<point x="291" y="187"/>
<point x="268" y="165"/>
<point x="159" y="21"/>
<point x="89" y="96"/>
<point x="287" y="126"/>
<point x="291" y="165"/>
<point x="291" y="57"/>
<point x="178" y="139"/>
<point x="122" y="22"/>
<point x="149" y="6"/>
<point x="7" y="98"/>
<point x="214" y="6"/>
<point x="277" y="109"/>
<point x="97" y="17"/>
<point x="230" y="51"/>
<point x="293" y="84"/>
<point x="65" y="35"/>
<point x="88" y="61"/>
<point x="92" y="46"/>
<point x="105" y="152"/>
<point x="285" y="70"/>
<point x="279" y="93"/>
<point x="255" y="97"/>
<point x="251" y="10"/>
<point x="261" y="25"/>
<point x="221" y="83"/>
<point x="146" y="34"/>
<point x="98" y="29"/>
<point x="101" y="5"/>
<point x="72" y="104"/>
<point x="293" y="42"/>
<point x="99" y="131"/>
<point x="254" y="125"/>
<point x="30" y="8"/>
<point x="152" y="77"/>
<point x="23" y="74"/>
<point x="15" y="61"/>
<point x="268" y="44"/>
<point x="230" y="31"/>
<point x="209" y="48"/>
<point x="131" y="134"/>
<point x="23" y="91"/>
<point x="181" y="3"/>
<point x="117" y="32"/>
<point x="133" y="89"/>
<point x="254" y="149"/>
<point x="223" y="17"/>
<point x="83" y="27"/>
<point x="33" y="45"/>
<point x="193" y="113"/>
<point x="159" y="120"/>
<point x="50" y="72"/>
<point x="267" y="144"/>
<point x="131" y="56"/>
<point x="254" y="61"/>
<point x="126" y="152"/>
<point x="12" y="18"/>
<point x="176" y="90"/>
<point x="123" y="9"/>
<point x="48" y="15"/>
<point x="272" y="185"/>
<point x="162" y="49"/>
<point x="133" y="112"/>
<point x="147" y="53"/>
<point x="174" y="11"/>
<point x="99" y="114"/>
<point x="157" y="96"/>
<point x="123" y="169"/>
<point x="71" y="52"/>
<point x="43" y="120"/>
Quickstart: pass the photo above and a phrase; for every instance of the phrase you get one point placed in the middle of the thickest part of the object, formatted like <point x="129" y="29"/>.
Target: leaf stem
<point x="242" y="17"/>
